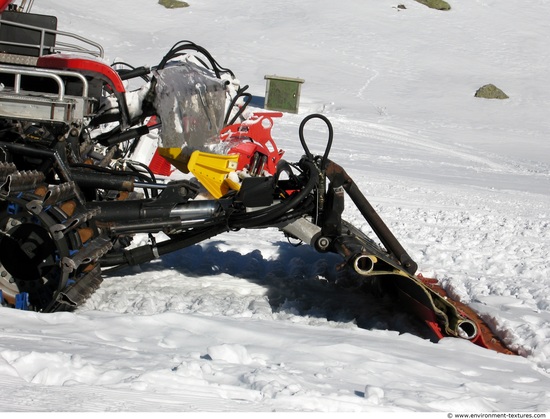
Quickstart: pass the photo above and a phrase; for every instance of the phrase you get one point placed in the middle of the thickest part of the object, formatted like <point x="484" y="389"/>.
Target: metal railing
<point x="55" y="75"/>
<point x="86" y="46"/>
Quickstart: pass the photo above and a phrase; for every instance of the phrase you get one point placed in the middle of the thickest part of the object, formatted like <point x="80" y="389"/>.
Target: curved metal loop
<point x="329" y="140"/>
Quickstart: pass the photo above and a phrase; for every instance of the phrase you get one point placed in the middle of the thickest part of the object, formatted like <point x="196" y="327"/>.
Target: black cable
<point x="131" y="164"/>
<point x="270" y="214"/>
<point x="240" y="93"/>
<point x="178" y="50"/>
<point x="140" y="175"/>
<point x="133" y="72"/>
<point x="329" y="141"/>
<point x="298" y="204"/>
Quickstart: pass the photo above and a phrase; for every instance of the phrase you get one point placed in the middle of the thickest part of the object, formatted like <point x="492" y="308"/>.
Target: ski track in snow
<point x="392" y="150"/>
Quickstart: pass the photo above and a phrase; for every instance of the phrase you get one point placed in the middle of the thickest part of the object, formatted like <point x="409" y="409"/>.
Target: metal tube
<point x="18" y="72"/>
<point x="92" y="179"/>
<point x="467" y="329"/>
<point x="303" y="229"/>
<point x="195" y="210"/>
<point x="339" y="177"/>
<point x="364" y="264"/>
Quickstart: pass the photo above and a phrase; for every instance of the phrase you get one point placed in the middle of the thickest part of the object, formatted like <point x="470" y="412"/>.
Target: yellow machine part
<point x="176" y="157"/>
<point x="212" y="171"/>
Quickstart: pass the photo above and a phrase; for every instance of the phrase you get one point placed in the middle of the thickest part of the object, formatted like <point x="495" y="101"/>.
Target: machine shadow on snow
<point x="299" y="281"/>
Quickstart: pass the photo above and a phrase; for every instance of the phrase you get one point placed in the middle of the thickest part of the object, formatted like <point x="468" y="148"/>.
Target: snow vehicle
<point x="75" y="187"/>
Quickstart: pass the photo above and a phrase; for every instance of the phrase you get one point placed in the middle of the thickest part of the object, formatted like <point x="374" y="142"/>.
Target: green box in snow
<point x="282" y="93"/>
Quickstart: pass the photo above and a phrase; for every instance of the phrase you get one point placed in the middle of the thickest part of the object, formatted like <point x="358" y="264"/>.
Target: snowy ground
<point x="244" y="322"/>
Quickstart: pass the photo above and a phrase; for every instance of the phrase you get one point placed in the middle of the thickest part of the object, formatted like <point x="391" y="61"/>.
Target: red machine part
<point x="252" y="141"/>
<point x="83" y="65"/>
<point x="485" y="337"/>
<point x="158" y="164"/>
<point x="4" y="4"/>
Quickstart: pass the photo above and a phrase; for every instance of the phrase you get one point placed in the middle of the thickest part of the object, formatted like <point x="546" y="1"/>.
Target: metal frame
<point x="92" y="48"/>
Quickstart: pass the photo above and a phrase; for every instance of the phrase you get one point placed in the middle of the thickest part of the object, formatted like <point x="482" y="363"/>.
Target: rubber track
<point x="44" y="207"/>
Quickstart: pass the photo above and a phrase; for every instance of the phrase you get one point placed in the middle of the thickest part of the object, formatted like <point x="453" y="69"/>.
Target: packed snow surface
<point x="246" y="321"/>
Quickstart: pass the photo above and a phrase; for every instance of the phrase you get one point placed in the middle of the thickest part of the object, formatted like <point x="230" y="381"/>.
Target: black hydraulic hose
<point x="305" y="207"/>
<point x="100" y="169"/>
<point x="240" y="93"/>
<point x="134" y="72"/>
<point x="271" y="214"/>
<point x="130" y="134"/>
<point x="180" y="46"/>
<point x="249" y="220"/>
<point x="329" y="141"/>
<point x="147" y="170"/>
<point x="89" y="179"/>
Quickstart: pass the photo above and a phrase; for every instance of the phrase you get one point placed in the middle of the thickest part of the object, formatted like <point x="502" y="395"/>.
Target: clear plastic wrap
<point x="191" y="104"/>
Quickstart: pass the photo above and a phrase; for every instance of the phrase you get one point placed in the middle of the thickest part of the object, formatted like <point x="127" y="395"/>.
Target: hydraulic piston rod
<point x="338" y="177"/>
